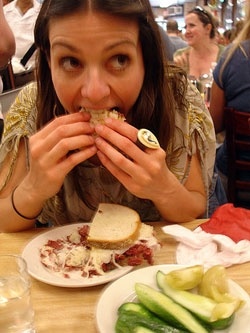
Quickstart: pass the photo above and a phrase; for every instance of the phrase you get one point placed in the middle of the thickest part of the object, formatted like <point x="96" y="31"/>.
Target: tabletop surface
<point x="72" y="310"/>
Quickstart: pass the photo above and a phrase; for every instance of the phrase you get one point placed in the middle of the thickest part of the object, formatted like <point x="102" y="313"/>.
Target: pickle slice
<point x="185" y="278"/>
<point x="214" y="284"/>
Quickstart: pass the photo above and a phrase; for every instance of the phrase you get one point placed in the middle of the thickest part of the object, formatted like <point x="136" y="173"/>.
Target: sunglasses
<point x="199" y="9"/>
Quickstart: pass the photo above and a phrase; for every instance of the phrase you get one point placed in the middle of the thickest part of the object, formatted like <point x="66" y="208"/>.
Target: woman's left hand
<point x="144" y="173"/>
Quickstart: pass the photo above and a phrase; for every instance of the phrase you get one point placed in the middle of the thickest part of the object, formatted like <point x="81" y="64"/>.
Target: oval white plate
<point x="122" y="290"/>
<point x="37" y="270"/>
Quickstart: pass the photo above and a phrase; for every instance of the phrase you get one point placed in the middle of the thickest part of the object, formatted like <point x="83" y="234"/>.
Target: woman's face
<point x="195" y="30"/>
<point x="96" y="61"/>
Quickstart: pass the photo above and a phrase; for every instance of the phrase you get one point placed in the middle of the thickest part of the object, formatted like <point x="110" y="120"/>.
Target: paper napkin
<point x="224" y="239"/>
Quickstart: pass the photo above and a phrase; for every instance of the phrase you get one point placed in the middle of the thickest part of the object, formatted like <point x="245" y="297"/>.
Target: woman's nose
<point x="95" y="88"/>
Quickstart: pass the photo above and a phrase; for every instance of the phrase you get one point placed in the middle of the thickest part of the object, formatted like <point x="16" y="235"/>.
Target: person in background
<point x="228" y="36"/>
<point x="173" y="33"/>
<point x="168" y="46"/>
<point x="219" y="38"/>
<point x="21" y="16"/>
<point x="7" y="42"/>
<point x="238" y="27"/>
<point x="56" y="165"/>
<point x="202" y="51"/>
<point x="231" y="88"/>
<point x="7" y="49"/>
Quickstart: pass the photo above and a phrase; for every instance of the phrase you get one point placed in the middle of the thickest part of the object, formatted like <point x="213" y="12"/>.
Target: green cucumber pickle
<point x="173" y="308"/>
<point x="200" y="306"/>
<point x="132" y="317"/>
<point x="165" y="308"/>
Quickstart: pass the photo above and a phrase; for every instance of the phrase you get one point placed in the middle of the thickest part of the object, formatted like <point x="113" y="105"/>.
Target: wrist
<point x="170" y="192"/>
<point x="24" y="205"/>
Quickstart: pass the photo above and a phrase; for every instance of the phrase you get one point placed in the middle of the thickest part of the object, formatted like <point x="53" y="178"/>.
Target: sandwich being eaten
<point x="98" y="116"/>
<point x="116" y="237"/>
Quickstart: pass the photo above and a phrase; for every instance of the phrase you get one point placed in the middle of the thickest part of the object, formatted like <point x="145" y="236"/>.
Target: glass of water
<point x="16" y="312"/>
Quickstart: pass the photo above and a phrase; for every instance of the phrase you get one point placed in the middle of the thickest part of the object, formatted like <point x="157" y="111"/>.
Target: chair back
<point x="13" y="80"/>
<point x="7" y="98"/>
<point x="238" y="147"/>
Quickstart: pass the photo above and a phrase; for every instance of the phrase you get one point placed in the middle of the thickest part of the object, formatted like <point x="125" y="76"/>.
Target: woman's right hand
<point x="55" y="150"/>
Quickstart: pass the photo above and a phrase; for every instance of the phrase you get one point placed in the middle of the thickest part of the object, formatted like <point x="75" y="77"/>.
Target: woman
<point x="202" y="52"/>
<point x="101" y="54"/>
<point x="231" y="88"/>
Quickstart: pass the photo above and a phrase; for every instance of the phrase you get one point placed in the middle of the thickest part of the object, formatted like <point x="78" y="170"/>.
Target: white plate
<point x="122" y="291"/>
<point x="37" y="270"/>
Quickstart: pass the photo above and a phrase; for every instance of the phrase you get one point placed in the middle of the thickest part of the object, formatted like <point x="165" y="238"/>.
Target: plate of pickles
<point x="174" y="299"/>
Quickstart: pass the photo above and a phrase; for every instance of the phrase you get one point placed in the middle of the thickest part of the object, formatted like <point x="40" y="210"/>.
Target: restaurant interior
<point x="79" y="305"/>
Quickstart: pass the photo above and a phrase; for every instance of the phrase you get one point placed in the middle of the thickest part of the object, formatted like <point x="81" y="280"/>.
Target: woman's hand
<point x="55" y="150"/>
<point x="141" y="172"/>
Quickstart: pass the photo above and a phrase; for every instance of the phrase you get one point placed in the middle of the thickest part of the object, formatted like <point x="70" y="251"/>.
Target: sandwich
<point x="114" y="227"/>
<point x="98" y="116"/>
<point x="116" y="237"/>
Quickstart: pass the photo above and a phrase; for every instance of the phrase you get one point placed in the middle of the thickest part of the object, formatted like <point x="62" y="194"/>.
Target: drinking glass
<point x="16" y="312"/>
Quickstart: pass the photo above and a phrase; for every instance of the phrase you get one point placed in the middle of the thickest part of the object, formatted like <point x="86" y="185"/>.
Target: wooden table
<point x="72" y="310"/>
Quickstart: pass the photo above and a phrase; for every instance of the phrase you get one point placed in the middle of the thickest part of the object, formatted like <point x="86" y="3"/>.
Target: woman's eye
<point x="119" y="62"/>
<point x="70" y="64"/>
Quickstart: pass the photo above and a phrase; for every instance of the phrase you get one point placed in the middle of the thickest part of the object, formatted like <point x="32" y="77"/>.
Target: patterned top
<point x="186" y="50"/>
<point x="194" y="131"/>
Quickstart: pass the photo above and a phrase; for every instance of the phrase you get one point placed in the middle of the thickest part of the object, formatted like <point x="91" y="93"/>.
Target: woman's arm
<point x="7" y="40"/>
<point x="184" y="202"/>
<point x="24" y="202"/>
<point x="53" y="152"/>
<point x="216" y="108"/>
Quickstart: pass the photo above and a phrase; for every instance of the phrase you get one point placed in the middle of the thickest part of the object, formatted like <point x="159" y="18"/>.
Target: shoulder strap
<point x="28" y="54"/>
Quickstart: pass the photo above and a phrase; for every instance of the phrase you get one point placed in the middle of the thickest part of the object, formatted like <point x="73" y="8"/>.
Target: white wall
<point x="165" y="3"/>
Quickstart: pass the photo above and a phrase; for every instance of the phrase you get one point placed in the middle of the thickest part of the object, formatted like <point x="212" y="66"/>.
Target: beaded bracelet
<point x="17" y="212"/>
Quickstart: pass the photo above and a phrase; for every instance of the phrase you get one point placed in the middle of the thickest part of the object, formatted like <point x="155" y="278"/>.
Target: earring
<point x="54" y="111"/>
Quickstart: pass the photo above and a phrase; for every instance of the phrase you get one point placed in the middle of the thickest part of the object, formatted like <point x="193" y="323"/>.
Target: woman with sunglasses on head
<point x="202" y="51"/>
<point x="96" y="55"/>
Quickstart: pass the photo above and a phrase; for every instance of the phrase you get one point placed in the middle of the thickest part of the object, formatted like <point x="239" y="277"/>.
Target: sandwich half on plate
<point x="116" y="237"/>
